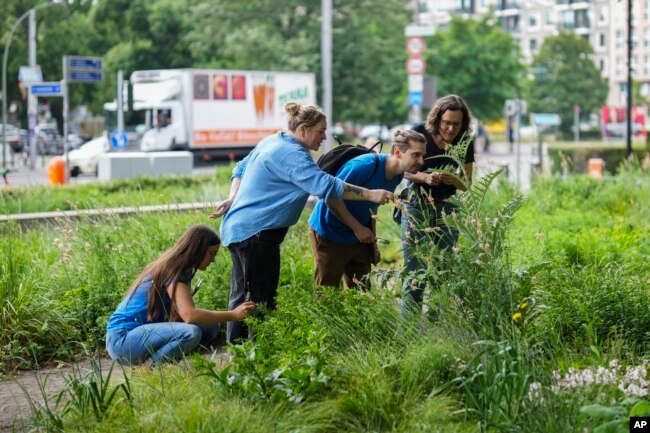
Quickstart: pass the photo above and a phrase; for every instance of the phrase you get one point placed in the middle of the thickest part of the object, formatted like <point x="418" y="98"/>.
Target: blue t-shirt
<point x="357" y="171"/>
<point x="277" y="177"/>
<point x="132" y="311"/>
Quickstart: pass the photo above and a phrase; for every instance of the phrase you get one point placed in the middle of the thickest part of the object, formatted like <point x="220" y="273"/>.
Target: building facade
<point x="603" y="23"/>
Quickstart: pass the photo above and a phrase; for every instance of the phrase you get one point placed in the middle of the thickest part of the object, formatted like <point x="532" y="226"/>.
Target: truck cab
<point x="136" y="122"/>
<point x="162" y="92"/>
<point x="168" y="131"/>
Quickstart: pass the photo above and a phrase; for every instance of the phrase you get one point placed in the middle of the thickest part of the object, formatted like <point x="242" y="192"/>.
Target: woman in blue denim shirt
<point x="157" y="320"/>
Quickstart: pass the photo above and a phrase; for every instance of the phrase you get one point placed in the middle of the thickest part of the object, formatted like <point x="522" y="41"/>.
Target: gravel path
<point x="17" y="390"/>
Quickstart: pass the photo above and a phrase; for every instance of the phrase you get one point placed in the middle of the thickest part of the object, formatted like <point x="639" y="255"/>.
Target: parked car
<point x="379" y="132"/>
<point x="48" y="139"/>
<point x="85" y="159"/>
<point x="13" y="137"/>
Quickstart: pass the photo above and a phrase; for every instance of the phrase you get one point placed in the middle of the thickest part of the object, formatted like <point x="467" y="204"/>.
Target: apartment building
<point x="603" y="23"/>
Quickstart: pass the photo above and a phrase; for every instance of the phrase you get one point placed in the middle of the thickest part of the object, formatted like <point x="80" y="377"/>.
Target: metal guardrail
<point x="45" y="217"/>
<point x="48" y="217"/>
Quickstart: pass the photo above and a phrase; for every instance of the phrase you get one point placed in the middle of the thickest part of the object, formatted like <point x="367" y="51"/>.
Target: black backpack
<point x="332" y="160"/>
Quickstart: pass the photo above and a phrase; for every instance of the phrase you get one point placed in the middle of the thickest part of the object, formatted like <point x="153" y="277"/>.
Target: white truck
<point x="211" y="112"/>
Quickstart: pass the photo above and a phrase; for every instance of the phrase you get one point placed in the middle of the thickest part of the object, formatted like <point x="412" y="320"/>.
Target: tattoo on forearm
<point x="354" y="189"/>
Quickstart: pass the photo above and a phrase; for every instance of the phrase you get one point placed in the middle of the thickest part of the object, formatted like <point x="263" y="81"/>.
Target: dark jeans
<point x="255" y="269"/>
<point x="420" y="225"/>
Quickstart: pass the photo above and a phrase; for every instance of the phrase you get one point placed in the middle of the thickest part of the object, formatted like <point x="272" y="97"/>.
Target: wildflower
<point x="428" y="229"/>
<point x="534" y="390"/>
<point x="430" y="198"/>
<point x="516" y="316"/>
<point x="414" y="283"/>
<point x="485" y="246"/>
<point x="523" y="305"/>
<point x="443" y="213"/>
<point x="478" y="262"/>
<point x="455" y="249"/>
<point x="454" y="215"/>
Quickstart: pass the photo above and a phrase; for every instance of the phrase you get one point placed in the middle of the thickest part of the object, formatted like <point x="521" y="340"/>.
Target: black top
<point x="442" y="190"/>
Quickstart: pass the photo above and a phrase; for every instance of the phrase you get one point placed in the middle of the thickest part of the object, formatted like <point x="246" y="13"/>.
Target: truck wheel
<point x="75" y="171"/>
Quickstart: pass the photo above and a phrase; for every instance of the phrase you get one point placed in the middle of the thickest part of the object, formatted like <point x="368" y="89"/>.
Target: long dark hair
<point x="449" y="103"/>
<point x="186" y="255"/>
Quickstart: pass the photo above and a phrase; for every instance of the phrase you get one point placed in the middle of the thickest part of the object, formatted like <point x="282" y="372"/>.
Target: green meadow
<point x="539" y="321"/>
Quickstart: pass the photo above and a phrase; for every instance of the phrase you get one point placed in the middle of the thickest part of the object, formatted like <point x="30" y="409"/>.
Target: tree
<point x="564" y="75"/>
<point x="478" y="61"/>
<point x="369" y="81"/>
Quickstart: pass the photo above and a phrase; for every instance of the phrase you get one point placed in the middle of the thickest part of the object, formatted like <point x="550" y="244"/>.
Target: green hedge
<point x="578" y="157"/>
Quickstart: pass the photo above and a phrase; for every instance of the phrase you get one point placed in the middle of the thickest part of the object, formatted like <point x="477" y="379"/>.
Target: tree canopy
<point x="563" y="75"/>
<point x="475" y="59"/>
<point x="478" y="61"/>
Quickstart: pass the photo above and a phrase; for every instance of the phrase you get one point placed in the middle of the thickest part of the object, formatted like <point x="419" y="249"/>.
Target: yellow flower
<point x="523" y="305"/>
<point x="516" y="316"/>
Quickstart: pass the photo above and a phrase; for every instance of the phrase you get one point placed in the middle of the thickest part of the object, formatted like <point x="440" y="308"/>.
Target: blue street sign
<point x="85" y="63"/>
<point x="85" y="77"/>
<point x="119" y="139"/>
<point x="84" y="69"/>
<point x="545" y="119"/>
<point x="415" y="98"/>
<point x="46" y="89"/>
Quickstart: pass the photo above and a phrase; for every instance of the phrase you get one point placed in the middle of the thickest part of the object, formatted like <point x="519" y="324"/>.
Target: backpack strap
<point x="381" y="146"/>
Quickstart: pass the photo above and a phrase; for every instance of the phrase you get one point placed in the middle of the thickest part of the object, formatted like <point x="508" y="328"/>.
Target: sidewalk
<point x="500" y="156"/>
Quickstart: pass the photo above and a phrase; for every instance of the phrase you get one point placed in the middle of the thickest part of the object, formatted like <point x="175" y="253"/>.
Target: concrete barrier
<point x="177" y="162"/>
<point x="124" y="165"/>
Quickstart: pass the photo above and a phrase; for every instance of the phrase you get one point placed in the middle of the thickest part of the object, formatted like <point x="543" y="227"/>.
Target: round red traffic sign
<point x="415" y="45"/>
<point x="415" y="65"/>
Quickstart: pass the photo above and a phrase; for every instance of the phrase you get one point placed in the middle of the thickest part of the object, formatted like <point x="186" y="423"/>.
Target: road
<point x="499" y="155"/>
<point x="24" y="176"/>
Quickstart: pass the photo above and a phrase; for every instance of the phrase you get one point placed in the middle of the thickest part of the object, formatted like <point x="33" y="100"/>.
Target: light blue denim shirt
<point x="277" y="177"/>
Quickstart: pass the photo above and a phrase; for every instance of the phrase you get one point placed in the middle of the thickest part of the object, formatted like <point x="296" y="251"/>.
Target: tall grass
<point x="122" y="192"/>
<point x="33" y="325"/>
<point x="514" y="314"/>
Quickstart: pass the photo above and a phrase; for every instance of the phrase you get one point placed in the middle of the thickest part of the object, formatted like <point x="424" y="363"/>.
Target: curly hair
<point x="449" y="103"/>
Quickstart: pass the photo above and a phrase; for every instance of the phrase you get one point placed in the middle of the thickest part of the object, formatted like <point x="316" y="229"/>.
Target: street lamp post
<point x="4" y="74"/>
<point x="628" y="125"/>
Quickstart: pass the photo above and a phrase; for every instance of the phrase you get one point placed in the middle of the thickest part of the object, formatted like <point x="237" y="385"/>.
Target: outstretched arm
<point x="199" y="316"/>
<point x="379" y="196"/>
<point x="224" y="206"/>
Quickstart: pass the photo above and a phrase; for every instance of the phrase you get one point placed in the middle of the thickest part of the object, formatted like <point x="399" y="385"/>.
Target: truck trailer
<point x="211" y="112"/>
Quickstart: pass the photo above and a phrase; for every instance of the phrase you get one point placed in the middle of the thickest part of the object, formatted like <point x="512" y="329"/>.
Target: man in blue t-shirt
<point x="341" y="234"/>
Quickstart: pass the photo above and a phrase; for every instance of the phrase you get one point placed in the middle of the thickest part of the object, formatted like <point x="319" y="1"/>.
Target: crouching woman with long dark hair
<point x="157" y="320"/>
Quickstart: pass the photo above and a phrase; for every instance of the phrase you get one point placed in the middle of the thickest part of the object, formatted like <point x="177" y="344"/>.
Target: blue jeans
<point x="420" y="225"/>
<point x="157" y="342"/>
